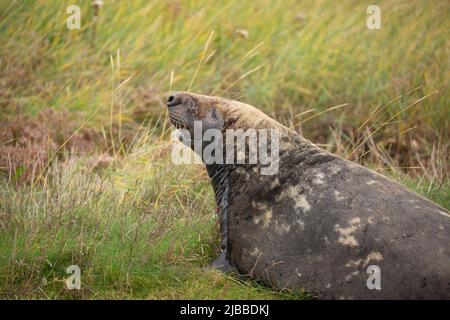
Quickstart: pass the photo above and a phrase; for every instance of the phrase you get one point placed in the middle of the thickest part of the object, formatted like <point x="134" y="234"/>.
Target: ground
<point x="86" y="176"/>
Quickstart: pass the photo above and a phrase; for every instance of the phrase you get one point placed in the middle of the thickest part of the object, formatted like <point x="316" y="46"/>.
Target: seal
<point x="320" y="223"/>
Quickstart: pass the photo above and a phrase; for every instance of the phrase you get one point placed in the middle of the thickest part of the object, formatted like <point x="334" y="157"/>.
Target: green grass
<point x="145" y="228"/>
<point x="153" y="240"/>
<point x="323" y="58"/>
<point x="435" y="191"/>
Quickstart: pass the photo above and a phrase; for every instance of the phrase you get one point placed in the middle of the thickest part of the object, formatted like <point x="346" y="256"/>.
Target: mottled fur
<point x="321" y="220"/>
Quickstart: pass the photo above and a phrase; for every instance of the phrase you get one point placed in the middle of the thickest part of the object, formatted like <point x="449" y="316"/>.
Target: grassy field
<point x="85" y="170"/>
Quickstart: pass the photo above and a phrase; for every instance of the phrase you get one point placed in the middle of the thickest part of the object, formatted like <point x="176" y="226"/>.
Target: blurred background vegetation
<point x="85" y="170"/>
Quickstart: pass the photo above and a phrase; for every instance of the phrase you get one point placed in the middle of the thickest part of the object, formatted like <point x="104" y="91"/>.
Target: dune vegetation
<point x="86" y="176"/>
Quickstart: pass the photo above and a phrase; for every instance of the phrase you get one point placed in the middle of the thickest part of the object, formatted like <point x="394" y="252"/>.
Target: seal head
<point x="320" y="222"/>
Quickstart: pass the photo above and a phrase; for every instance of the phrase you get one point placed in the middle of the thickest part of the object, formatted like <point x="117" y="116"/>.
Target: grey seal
<point x="327" y="225"/>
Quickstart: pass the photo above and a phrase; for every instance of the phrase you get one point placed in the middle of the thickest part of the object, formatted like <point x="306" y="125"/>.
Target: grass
<point x="142" y="227"/>
<point x="145" y="229"/>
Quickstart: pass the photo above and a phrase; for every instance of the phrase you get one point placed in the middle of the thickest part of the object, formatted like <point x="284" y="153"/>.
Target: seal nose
<point x="173" y="100"/>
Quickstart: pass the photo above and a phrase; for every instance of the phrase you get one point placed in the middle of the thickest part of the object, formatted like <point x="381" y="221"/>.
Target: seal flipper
<point x="221" y="263"/>
<point x="219" y="179"/>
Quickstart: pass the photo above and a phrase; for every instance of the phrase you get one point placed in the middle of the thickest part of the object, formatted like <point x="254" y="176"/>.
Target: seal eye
<point x="214" y="113"/>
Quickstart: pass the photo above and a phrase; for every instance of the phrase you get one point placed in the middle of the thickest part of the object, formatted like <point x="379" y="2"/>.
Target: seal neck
<point x="219" y="174"/>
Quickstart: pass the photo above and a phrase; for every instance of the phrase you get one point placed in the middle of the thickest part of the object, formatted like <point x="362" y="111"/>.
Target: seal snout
<point x="173" y="100"/>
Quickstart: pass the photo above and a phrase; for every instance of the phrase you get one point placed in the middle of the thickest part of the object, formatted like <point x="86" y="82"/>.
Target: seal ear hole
<point x="230" y="121"/>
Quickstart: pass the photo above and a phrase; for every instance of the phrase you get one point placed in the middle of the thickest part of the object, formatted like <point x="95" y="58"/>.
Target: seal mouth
<point x="173" y="103"/>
